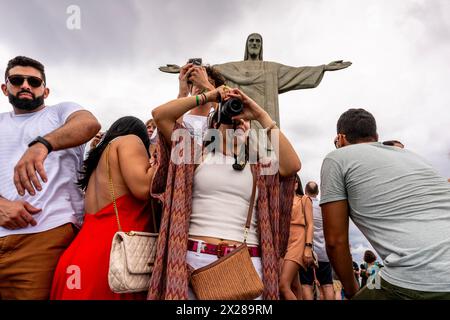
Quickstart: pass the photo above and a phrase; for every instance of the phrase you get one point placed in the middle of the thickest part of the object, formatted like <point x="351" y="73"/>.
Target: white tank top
<point x="220" y="200"/>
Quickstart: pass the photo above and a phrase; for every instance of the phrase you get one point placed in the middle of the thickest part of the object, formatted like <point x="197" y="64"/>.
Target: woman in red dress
<point x="82" y="271"/>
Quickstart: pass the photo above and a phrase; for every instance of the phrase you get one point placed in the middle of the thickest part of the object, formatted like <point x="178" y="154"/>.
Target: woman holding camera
<point x="206" y="196"/>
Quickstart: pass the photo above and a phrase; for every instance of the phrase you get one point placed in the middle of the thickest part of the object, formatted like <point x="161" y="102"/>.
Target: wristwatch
<point x="43" y="141"/>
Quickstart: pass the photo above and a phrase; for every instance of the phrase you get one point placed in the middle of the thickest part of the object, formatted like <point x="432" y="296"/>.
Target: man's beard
<point x="26" y="104"/>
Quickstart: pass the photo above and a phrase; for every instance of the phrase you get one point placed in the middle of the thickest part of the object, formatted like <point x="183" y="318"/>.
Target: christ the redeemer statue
<point x="264" y="80"/>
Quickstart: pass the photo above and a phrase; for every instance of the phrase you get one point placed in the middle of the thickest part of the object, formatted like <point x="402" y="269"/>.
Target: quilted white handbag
<point x="131" y="261"/>
<point x="132" y="253"/>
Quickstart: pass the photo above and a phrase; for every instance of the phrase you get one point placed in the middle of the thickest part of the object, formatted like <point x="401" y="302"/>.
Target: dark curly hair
<point x="215" y="76"/>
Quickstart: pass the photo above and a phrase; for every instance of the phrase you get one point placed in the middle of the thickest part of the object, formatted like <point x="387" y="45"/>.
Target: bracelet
<point x="271" y="126"/>
<point x="44" y="142"/>
<point x="197" y="99"/>
<point x="308" y="244"/>
<point x="204" y="100"/>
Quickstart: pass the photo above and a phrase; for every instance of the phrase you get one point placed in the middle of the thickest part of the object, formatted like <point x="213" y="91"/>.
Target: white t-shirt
<point x="197" y="126"/>
<point x="319" y="239"/>
<point x="61" y="200"/>
<point x="220" y="200"/>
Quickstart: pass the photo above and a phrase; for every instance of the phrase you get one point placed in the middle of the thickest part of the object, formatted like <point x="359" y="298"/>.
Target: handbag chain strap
<point x="250" y="208"/>
<point x="113" y="194"/>
<point x="111" y="187"/>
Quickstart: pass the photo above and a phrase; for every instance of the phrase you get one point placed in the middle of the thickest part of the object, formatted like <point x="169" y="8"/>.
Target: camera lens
<point x="235" y="106"/>
<point x="230" y="108"/>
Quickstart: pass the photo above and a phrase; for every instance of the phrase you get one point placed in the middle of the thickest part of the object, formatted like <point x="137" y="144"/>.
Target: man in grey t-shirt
<point x="399" y="203"/>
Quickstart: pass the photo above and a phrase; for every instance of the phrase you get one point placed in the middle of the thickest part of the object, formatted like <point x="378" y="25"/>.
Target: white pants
<point x="198" y="260"/>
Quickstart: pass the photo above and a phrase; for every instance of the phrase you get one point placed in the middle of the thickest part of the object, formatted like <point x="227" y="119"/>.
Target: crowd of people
<point x="199" y="165"/>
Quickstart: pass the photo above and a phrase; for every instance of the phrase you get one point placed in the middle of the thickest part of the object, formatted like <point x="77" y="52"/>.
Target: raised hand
<point x="183" y="90"/>
<point x="213" y="95"/>
<point x="252" y="111"/>
<point x="199" y="78"/>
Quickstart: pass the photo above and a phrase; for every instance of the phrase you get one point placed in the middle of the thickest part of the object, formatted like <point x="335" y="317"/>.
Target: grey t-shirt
<point x="401" y="205"/>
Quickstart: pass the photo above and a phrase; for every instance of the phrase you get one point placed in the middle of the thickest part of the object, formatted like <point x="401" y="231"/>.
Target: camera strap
<point x="240" y="166"/>
<point x="219" y="108"/>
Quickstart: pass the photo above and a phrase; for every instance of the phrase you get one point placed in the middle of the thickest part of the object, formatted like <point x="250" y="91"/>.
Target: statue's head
<point x="254" y="47"/>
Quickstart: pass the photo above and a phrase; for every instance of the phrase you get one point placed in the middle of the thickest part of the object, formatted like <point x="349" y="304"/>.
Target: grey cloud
<point x="434" y="16"/>
<point x="177" y="30"/>
<point x="115" y="31"/>
<point x="38" y="29"/>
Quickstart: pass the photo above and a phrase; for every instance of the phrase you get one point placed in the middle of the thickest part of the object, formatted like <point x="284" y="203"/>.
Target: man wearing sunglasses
<point x="398" y="201"/>
<point x="41" y="153"/>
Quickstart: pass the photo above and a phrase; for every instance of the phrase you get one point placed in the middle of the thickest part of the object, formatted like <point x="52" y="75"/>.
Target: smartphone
<point x="195" y="61"/>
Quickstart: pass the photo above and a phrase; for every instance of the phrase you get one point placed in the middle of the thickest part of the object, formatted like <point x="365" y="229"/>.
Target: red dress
<point x="82" y="270"/>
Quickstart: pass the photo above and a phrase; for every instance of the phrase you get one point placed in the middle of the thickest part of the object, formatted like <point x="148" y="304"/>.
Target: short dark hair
<point x="25" y="62"/>
<point x="312" y="188"/>
<point x="392" y="143"/>
<point x="369" y="256"/>
<point x="358" y="125"/>
<point x="215" y="75"/>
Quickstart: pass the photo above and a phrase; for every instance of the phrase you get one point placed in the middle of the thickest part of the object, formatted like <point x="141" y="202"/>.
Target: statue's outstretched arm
<point x="170" y="68"/>
<point x="337" y="65"/>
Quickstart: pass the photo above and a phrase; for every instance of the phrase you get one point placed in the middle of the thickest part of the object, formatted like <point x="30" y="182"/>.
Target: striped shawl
<point x="173" y="185"/>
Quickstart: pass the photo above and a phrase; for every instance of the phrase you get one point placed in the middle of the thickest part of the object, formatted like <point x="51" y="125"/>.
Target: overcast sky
<point x="400" y="52"/>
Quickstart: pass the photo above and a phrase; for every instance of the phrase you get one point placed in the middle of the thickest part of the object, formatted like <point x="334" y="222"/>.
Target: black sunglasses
<point x="18" y="80"/>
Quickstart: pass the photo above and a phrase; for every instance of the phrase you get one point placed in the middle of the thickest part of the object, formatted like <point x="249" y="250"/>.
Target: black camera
<point x="229" y="109"/>
<point x="195" y="61"/>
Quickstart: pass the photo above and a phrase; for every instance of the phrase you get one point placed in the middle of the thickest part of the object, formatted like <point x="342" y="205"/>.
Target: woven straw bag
<point x="232" y="277"/>
<point x="132" y="253"/>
